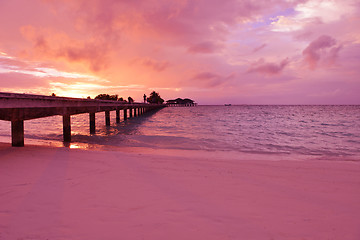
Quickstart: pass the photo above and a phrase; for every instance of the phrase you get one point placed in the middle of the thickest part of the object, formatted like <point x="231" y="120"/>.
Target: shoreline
<point x="169" y="151"/>
<point x="62" y="193"/>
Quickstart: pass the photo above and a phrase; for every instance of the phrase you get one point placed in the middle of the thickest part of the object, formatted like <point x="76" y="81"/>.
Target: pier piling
<point x="125" y="114"/>
<point x="107" y="118"/>
<point x="17" y="133"/>
<point x="92" y="123"/>
<point x="67" y="128"/>
<point x="117" y="116"/>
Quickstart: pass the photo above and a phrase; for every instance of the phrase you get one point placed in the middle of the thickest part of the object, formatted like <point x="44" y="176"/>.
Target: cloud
<point x="333" y="55"/>
<point x="153" y="64"/>
<point x="313" y="12"/>
<point x="323" y="48"/>
<point x="211" y="79"/>
<point x="325" y="11"/>
<point x="158" y="66"/>
<point x="259" y="48"/>
<point x="9" y="64"/>
<point x="52" y="44"/>
<point x="268" y="68"/>
<point x="11" y="80"/>
<point x="204" y="47"/>
<point x="179" y="22"/>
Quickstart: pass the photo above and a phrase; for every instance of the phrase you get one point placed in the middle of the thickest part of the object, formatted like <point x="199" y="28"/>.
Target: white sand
<point x="67" y="194"/>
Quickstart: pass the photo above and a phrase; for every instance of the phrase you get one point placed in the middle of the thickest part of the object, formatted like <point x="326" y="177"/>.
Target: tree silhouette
<point x="107" y="97"/>
<point x="155" y="98"/>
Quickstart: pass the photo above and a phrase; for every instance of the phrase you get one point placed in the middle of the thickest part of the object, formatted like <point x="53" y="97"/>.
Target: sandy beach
<point x="60" y="193"/>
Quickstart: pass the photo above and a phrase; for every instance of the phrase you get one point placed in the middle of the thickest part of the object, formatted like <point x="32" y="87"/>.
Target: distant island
<point x="154" y="98"/>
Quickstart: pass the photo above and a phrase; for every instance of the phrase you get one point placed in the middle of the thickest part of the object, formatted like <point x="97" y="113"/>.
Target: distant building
<point x="179" y="102"/>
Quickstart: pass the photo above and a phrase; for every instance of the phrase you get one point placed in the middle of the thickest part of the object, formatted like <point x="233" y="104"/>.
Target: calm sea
<point x="294" y="132"/>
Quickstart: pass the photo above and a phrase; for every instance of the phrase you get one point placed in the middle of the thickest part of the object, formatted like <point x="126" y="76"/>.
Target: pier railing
<point x="17" y="108"/>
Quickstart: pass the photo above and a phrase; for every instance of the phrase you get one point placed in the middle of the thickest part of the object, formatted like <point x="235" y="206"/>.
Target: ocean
<point x="257" y="132"/>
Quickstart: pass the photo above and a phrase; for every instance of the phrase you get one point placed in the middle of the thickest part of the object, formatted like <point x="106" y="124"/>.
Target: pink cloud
<point x="259" y="48"/>
<point x="94" y="54"/>
<point x="13" y="80"/>
<point x="333" y="54"/>
<point x="158" y="66"/>
<point x="268" y="68"/>
<point x="51" y="44"/>
<point x="12" y="62"/>
<point x="323" y="48"/>
<point x="204" y="47"/>
<point x="178" y="22"/>
<point x="211" y="79"/>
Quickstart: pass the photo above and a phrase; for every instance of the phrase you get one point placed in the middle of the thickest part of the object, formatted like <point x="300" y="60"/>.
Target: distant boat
<point x="227" y="104"/>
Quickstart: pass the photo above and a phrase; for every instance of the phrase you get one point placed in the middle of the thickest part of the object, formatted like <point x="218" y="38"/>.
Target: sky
<point x="212" y="51"/>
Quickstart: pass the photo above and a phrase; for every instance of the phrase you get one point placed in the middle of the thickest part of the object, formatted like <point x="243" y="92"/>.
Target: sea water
<point x="293" y="132"/>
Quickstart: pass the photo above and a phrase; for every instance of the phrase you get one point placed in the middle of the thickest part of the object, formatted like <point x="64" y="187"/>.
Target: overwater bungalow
<point x="179" y="102"/>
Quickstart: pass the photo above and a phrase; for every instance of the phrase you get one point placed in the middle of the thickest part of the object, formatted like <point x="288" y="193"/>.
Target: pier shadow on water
<point x="115" y="134"/>
<point x="49" y="131"/>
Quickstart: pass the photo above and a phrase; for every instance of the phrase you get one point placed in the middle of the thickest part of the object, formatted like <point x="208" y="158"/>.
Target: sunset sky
<point x="213" y="51"/>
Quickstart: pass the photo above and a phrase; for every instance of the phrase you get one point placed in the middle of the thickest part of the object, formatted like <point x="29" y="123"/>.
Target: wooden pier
<point x="17" y="108"/>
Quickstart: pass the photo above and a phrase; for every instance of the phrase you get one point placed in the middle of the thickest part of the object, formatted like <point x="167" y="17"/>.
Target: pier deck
<point x="17" y="108"/>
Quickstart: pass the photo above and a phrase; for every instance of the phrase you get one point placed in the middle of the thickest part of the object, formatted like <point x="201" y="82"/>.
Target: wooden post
<point x="117" y="116"/>
<point x="131" y="113"/>
<point x="92" y="123"/>
<point x="17" y="133"/>
<point x="135" y="112"/>
<point x="125" y="114"/>
<point x="107" y="118"/>
<point x="66" y="128"/>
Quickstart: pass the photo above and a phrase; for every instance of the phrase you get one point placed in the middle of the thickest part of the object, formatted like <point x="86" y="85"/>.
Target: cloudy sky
<point x="213" y="51"/>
